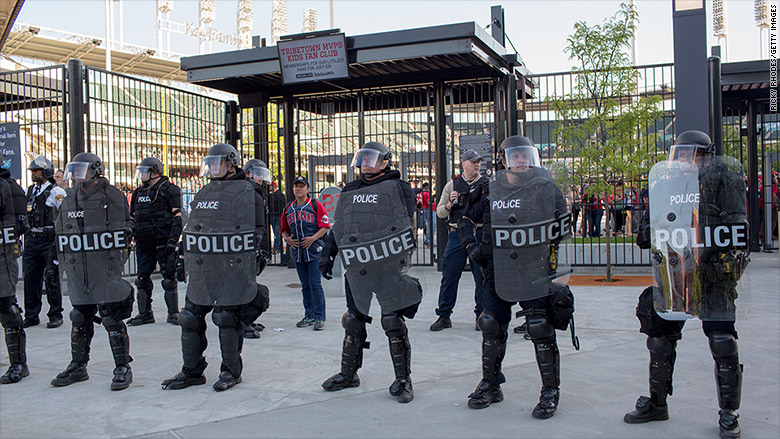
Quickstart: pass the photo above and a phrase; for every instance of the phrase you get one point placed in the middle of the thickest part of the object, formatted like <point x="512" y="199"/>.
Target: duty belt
<point x="47" y="233"/>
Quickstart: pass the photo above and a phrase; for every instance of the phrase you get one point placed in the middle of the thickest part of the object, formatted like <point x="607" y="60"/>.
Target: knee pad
<point x="169" y="284"/>
<point x="540" y="329"/>
<point x="723" y="346"/>
<point x="12" y="319"/>
<point x="112" y="324"/>
<point x="77" y="317"/>
<point x="661" y="346"/>
<point x="224" y="318"/>
<point x="351" y="323"/>
<point x="490" y="326"/>
<point x="393" y="325"/>
<point x="188" y="321"/>
<point x="142" y="282"/>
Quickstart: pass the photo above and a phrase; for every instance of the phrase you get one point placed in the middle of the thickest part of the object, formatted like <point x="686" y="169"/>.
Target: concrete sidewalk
<point x="281" y="395"/>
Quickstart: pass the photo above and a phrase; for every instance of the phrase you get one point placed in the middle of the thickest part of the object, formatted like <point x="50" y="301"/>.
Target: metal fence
<point x="329" y="128"/>
<point x="37" y="100"/>
<point x="125" y="120"/>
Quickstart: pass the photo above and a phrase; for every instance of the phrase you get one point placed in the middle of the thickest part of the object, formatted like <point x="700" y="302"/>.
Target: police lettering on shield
<point x="378" y="250"/>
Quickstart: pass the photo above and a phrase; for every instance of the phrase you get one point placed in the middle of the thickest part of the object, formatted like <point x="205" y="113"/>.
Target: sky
<point x="538" y="29"/>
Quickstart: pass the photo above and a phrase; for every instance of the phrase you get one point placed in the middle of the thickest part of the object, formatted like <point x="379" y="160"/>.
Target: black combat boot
<point x="15" y="340"/>
<point x="226" y="380"/>
<point x="351" y="360"/>
<point x="654" y="408"/>
<point x="488" y="390"/>
<point x="145" y="314"/>
<point x="187" y="377"/>
<point x="80" y="339"/>
<point x="231" y="341"/>
<point x="401" y="354"/>
<point x="548" y="359"/>
<point x="728" y="376"/>
<point x="120" y="348"/>
<point x="172" y="302"/>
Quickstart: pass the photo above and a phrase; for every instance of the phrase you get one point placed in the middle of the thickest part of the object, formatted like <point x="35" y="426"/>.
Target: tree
<point x="603" y="119"/>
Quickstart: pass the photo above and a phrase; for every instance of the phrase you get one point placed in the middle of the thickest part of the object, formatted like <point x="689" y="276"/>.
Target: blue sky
<point x="538" y="29"/>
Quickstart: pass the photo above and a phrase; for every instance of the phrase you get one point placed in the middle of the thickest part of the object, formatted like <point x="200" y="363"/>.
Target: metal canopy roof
<point x="9" y="10"/>
<point x="743" y="81"/>
<point x="415" y="56"/>
<point x="27" y="43"/>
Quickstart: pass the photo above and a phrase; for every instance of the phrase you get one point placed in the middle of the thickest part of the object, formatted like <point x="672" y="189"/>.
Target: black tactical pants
<point x="148" y="259"/>
<point x="40" y="273"/>
<point x="408" y="312"/>
<point x="230" y="321"/>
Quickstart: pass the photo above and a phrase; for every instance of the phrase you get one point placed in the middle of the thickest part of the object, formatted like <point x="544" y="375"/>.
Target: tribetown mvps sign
<point x="313" y="59"/>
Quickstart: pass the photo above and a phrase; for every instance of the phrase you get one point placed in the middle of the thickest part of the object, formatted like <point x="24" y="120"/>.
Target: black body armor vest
<point x="39" y="214"/>
<point x="153" y="216"/>
<point x="460" y="186"/>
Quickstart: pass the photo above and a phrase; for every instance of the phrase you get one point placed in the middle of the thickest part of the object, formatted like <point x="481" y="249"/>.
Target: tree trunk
<point x="609" y="238"/>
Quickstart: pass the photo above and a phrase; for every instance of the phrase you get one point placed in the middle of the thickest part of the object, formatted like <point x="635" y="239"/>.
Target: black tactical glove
<point x="171" y="259"/>
<point x="474" y="251"/>
<point x="181" y="275"/>
<point x="326" y="267"/>
<point x="262" y="261"/>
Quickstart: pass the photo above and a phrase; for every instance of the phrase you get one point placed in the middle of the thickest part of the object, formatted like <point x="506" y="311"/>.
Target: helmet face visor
<point x="214" y="166"/>
<point x="37" y="162"/>
<point x="260" y="173"/>
<point x="78" y="171"/>
<point x="521" y="157"/>
<point x="686" y="156"/>
<point x="368" y="158"/>
<point x="142" y="173"/>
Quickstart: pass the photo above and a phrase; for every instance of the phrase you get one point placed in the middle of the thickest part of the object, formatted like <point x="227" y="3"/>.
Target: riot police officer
<point x="93" y="239"/>
<point x="155" y="209"/>
<point x="258" y="172"/>
<point x="40" y="256"/>
<point x="693" y="281"/>
<point x="374" y="214"/>
<point x="11" y="201"/>
<point x="517" y="200"/>
<point x="225" y="229"/>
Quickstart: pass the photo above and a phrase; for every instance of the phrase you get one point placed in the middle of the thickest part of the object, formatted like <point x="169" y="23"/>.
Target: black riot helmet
<point x="148" y="165"/>
<point x="41" y="162"/>
<point x="518" y="152"/>
<point x="256" y="169"/>
<point x="84" y="166"/>
<point x="372" y="155"/>
<point x="217" y="155"/>
<point x="690" y="146"/>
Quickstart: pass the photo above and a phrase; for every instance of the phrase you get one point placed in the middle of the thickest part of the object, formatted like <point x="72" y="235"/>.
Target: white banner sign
<point x="313" y="59"/>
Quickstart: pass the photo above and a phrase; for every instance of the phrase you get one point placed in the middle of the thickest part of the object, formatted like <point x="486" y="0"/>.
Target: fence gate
<point x="125" y="119"/>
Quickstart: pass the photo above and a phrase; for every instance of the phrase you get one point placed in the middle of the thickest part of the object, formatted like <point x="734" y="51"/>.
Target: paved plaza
<point x="281" y="395"/>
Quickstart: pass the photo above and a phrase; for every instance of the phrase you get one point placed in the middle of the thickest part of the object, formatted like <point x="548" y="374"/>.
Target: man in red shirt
<point x="303" y="224"/>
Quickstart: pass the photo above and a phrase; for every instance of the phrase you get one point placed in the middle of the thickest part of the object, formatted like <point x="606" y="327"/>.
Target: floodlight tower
<point x="309" y="20"/>
<point x="278" y="19"/>
<point x="762" y="22"/>
<point x="720" y="25"/>
<point x="164" y="7"/>
<point x="207" y="12"/>
<point x="244" y="17"/>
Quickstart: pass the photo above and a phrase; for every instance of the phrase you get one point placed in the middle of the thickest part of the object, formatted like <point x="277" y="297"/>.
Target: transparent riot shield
<point x="699" y="239"/>
<point x="9" y="244"/>
<point x="375" y="239"/>
<point x="220" y="244"/>
<point x="93" y="242"/>
<point x="529" y="222"/>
